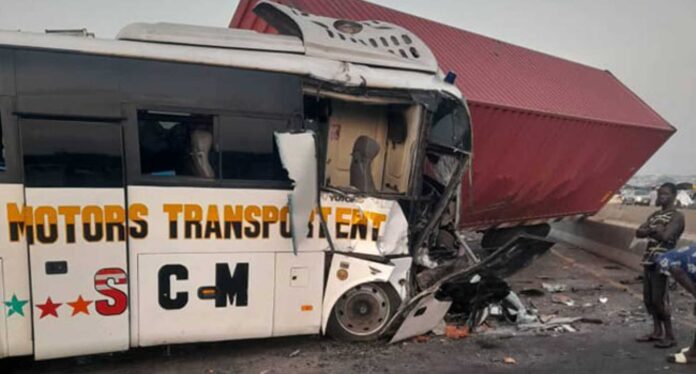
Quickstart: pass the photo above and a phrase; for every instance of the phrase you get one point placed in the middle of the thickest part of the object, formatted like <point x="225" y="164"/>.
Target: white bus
<point x="188" y="184"/>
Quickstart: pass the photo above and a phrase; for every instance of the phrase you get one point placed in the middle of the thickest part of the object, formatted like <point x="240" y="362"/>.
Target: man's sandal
<point x="663" y="343"/>
<point x="679" y="358"/>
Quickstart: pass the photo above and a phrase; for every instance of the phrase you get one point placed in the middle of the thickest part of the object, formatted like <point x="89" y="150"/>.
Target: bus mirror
<point x="298" y="155"/>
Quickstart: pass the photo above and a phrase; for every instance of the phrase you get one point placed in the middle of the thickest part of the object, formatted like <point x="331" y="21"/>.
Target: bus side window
<point x="3" y="165"/>
<point x="71" y="154"/>
<point x="177" y="144"/>
<point x="249" y="151"/>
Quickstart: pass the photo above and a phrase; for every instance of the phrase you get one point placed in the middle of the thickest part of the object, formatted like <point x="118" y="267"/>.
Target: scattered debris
<point x="422" y="338"/>
<point x="509" y="361"/>
<point x="603" y="299"/>
<point x="455" y="332"/>
<point x="587" y="305"/>
<point x="533" y="292"/>
<point x="612" y="267"/>
<point x="294" y="353"/>
<point x="569" y="328"/>
<point x="562" y="299"/>
<point x="554" y="287"/>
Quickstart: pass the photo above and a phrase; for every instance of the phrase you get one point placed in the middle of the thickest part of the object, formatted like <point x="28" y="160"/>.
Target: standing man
<point x="681" y="264"/>
<point x="662" y="229"/>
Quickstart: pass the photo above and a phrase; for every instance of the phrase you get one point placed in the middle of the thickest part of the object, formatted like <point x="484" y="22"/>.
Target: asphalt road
<point x="605" y="348"/>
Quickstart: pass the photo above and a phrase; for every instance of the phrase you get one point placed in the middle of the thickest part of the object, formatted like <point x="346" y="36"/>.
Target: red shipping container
<point x="552" y="138"/>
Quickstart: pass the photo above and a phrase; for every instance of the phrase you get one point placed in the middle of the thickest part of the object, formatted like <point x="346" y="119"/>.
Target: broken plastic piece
<point x="562" y="299"/>
<point x="554" y="287"/>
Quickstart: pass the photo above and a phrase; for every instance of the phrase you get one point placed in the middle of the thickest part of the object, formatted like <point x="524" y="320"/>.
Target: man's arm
<point x="644" y="229"/>
<point x="671" y="232"/>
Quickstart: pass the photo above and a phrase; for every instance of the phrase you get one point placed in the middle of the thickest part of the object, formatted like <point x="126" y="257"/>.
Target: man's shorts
<point x="684" y="258"/>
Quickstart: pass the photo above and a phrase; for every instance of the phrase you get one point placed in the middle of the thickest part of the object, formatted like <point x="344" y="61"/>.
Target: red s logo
<point x="118" y="299"/>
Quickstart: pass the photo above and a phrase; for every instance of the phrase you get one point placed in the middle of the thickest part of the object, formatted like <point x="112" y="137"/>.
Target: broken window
<point x="177" y="144"/>
<point x="248" y="149"/>
<point x="367" y="147"/>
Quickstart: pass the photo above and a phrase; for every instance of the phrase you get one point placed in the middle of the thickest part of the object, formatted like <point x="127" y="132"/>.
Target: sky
<point x="649" y="45"/>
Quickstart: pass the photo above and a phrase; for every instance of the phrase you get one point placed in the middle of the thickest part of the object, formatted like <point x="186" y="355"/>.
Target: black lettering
<point x="93" y="235"/>
<point x="49" y="237"/>
<point x="173" y="229"/>
<point x="285" y="229"/>
<point x="164" y="276"/>
<point x="192" y="229"/>
<point x="16" y="231"/>
<point x="358" y="229"/>
<point x="340" y="234"/>
<point x="213" y="228"/>
<point x="120" y="231"/>
<point x="140" y="231"/>
<point x="70" y="233"/>
<point x="232" y="288"/>
<point x="233" y="226"/>
<point x="252" y="231"/>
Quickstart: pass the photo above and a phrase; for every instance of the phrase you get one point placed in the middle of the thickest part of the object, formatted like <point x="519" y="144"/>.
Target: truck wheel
<point x="362" y="313"/>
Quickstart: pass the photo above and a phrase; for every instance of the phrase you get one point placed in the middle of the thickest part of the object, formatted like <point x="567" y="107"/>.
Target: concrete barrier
<point x="611" y="239"/>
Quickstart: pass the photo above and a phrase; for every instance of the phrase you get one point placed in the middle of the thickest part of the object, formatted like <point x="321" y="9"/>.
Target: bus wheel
<point x="362" y="313"/>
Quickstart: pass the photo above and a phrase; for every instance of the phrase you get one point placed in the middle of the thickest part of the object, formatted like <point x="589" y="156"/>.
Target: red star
<point x="49" y="308"/>
<point x="80" y="306"/>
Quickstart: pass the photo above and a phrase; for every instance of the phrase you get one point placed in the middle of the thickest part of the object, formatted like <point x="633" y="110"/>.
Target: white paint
<point x="299" y="281"/>
<point x="201" y="320"/>
<point x="174" y="33"/>
<point x="358" y="272"/>
<point x="342" y="45"/>
<point x="427" y="313"/>
<point x="80" y="334"/>
<point x="338" y="72"/>
<point x="400" y="275"/>
<point x="14" y="280"/>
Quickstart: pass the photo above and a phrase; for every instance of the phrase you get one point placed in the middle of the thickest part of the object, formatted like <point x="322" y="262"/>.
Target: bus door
<point x="76" y="230"/>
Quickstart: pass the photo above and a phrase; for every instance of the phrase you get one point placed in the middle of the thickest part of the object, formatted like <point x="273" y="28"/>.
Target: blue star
<point x="16" y="306"/>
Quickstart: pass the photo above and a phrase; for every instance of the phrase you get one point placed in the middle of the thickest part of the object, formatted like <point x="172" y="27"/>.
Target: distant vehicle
<point x="636" y="197"/>
<point x="684" y="199"/>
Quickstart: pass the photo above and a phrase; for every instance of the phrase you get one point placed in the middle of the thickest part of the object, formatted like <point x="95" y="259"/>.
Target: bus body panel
<point x="299" y="287"/>
<point x="79" y="289"/>
<point x="173" y="307"/>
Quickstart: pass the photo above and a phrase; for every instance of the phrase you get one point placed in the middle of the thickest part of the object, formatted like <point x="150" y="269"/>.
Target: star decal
<point x="49" y="308"/>
<point x="80" y="306"/>
<point x="15" y="306"/>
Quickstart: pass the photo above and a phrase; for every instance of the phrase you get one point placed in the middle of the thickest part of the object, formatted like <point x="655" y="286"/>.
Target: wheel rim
<point x="363" y="310"/>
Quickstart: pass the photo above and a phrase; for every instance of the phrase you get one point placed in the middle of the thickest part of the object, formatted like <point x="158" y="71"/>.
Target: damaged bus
<point x="189" y="184"/>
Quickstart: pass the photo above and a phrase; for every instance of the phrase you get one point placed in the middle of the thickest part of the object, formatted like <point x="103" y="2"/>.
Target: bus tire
<point x="361" y="314"/>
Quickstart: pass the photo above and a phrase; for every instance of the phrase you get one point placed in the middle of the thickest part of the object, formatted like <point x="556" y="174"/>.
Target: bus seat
<point x="201" y="143"/>
<point x="365" y="149"/>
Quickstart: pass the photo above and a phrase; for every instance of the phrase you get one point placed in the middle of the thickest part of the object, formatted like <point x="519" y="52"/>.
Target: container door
<point x="75" y="226"/>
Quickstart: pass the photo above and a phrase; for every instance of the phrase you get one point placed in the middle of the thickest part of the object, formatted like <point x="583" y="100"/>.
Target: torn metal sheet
<point x="298" y="155"/>
<point x="422" y="317"/>
<point x="361" y="225"/>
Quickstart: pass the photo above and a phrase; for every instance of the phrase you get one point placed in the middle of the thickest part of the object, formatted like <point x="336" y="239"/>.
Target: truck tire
<point x="362" y="313"/>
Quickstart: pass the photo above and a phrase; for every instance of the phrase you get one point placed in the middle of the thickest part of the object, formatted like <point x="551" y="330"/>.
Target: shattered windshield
<point x="451" y="126"/>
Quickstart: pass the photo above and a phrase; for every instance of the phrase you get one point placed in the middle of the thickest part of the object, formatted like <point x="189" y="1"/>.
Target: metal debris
<point x="562" y="299"/>
<point x="554" y="287"/>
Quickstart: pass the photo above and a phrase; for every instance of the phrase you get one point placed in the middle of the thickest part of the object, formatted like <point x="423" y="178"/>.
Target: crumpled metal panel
<point x="552" y="138"/>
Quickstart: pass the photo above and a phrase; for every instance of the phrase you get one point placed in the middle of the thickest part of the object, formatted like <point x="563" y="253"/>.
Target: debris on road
<point x="509" y="361"/>
<point x="455" y="332"/>
<point x="554" y="287"/>
<point x="422" y="338"/>
<point x="294" y="353"/>
<point x="532" y="292"/>
<point x="603" y="299"/>
<point x="562" y="299"/>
